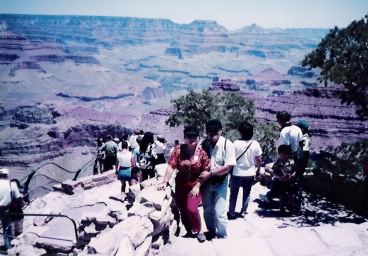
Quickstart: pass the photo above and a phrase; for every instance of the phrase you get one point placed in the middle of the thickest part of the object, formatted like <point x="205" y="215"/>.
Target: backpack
<point x="146" y="158"/>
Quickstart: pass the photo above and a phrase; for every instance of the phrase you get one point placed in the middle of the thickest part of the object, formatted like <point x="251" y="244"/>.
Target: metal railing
<point x="26" y="192"/>
<point x="7" y="214"/>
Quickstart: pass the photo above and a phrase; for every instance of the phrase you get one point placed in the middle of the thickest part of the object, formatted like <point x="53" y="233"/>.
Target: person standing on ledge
<point x="111" y="149"/>
<point x="222" y="154"/>
<point x="190" y="160"/>
<point x="9" y="194"/>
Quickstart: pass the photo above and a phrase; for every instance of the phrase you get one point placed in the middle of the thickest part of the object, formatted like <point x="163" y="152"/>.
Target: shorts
<point x="125" y="173"/>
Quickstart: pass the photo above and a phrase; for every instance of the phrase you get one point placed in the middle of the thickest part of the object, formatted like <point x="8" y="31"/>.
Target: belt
<point x="188" y="176"/>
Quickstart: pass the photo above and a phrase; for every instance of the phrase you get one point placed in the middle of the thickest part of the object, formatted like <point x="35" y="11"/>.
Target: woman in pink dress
<point x="190" y="160"/>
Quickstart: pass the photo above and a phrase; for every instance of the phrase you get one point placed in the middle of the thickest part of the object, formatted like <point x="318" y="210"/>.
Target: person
<point x="126" y="139"/>
<point x="9" y="194"/>
<point x="133" y="140"/>
<point x="160" y="145"/>
<point x="100" y="157"/>
<point x="304" y="146"/>
<point x="110" y="148"/>
<point x="290" y="135"/>
<point x="190" y="160"/>
<point x="283" y="176"/>
<point x="17" y="220"/>
<point x="123" y="165"/>
<point x="136" y="176"/>
<point x="248" y="163"/>
<point x="176" y="142"/>
<point x="222" y="154"/>
<point x="146" y="156"/>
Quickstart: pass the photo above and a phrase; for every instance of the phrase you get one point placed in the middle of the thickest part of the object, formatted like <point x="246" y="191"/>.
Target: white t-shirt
<point x="124" y="159"/>
<point x="221" y="157"/>
<point x="290" y="135"/>
<point x="5" y="197"/>
<point x="133" y="141"/>
<point x="160" y="147"/>
<point x="246" y="164"/>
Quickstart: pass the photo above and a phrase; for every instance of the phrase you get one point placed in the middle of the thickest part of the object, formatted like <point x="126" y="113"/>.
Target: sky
<point x="232" y="14"/>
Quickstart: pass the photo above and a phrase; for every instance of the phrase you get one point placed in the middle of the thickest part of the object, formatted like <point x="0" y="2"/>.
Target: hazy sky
<point x="233" y="14"/>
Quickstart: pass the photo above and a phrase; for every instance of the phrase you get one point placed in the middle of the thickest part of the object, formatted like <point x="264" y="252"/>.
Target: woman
<point x="123" y="165"/>
<point x="160" y="146"/>
<point x="190" y="160"/>
<point x="248" y="155"/>
<point x="147" y="156"/>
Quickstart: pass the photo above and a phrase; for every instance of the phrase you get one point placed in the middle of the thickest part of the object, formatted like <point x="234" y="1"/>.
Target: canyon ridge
<point x="65" y="80"/>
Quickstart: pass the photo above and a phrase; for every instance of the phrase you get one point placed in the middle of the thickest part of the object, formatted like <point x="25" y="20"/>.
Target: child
<point x="283" y="176"/>
<point x="136" y="176"/>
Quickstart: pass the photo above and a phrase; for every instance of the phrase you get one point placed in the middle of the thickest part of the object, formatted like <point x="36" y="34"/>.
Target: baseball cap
<point x="4" y="171"/>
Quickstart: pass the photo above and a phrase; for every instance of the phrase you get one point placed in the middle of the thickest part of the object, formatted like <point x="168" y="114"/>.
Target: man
<point x="289" y="134"/>
<point x="8" y="192"/>
<point x="214" y="190"/>
<point x="111" y="149"/>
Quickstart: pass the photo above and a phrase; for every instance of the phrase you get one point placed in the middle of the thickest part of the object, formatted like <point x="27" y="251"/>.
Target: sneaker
<point x="231" y="216"/>
<point x="242" y="214"/>
<point x="264" y="198"/>
<point x="210" y="235"/>
<point x="201" y="237"/>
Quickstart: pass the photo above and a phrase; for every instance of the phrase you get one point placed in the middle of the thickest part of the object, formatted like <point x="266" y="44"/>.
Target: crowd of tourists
<point x="205" y="169"/>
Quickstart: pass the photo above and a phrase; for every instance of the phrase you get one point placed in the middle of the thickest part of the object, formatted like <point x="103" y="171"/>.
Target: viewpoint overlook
<point x="65" y="80"/>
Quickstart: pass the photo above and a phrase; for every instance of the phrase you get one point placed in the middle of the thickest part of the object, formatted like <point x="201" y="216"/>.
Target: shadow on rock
<point x="315" y="211"/>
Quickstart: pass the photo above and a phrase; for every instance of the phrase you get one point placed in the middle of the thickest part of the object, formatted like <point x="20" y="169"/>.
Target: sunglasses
<point x="191" y="136"/>
<point x="213" y="130"/>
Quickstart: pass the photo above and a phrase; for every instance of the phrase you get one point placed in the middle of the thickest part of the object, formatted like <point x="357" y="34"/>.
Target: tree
<point x="343" y="58"/>
<point x="230" y="108"/>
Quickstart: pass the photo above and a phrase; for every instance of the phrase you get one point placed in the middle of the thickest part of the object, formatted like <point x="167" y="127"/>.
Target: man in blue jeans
<point x="214" y="189"/>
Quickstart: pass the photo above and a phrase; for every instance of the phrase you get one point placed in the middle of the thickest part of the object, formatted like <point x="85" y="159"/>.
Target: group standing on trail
<point x="205" y="169"/>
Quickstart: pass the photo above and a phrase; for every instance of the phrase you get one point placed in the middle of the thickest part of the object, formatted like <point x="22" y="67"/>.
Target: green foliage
<point x="230" y="108"/>
<point x="346" y="159"/>
<point x="343" y="58"/>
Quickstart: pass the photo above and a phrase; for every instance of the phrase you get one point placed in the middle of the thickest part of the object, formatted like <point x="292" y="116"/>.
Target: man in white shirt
<point x="290" y="135"/>
<point x="215" y="184"/>
<point x="8" y="192"/>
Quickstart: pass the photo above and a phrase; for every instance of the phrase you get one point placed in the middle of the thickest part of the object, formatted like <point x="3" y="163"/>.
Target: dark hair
<point x="246" y="130"/>
<point x="125" y="137"/>
<point x="108" y="137"/>
<point x="176" y="142"/>
<point x="124" y="145"/>
<point x="16" y="182"/>
<point x="283" y="116"/>
<point x="191" y="130"/>
<point x="99" y="142"/>
<point x="135" y="170"/>
<point x="146" y="140"/>
<point x="214" y="124"/>
<point x="286" y="149"/>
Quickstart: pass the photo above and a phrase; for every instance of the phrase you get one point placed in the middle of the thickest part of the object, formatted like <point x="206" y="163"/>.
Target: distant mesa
<point x="87" y="99"/>
<point x="8" y="57"/>
<point x="225" y="84"/>
<point x="26" y="65"/>
<point x="174" y="52"/>
<point x="63" y="58"/>
<point x="300" y="72"/>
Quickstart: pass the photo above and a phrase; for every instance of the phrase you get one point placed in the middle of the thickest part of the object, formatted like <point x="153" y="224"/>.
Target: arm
<point x="277" y="172"/>
<point x="168" y="173"/>
<point x="258" y="163"/>
<point x="132" y="161"/>
<point x="116" y="166"/>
